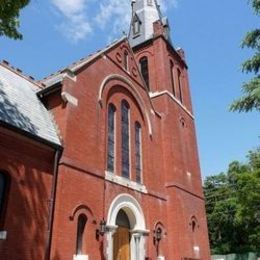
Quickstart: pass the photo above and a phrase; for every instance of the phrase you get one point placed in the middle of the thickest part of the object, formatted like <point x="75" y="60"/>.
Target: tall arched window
<point x="126" y="61"/>
<point x="111" y="138"/>
<point x="3" y="189"/>
<point x="82" y="220"/>
<point x="145" y="70"/>
<point x="125" y="138"/>
<point x="172" y="77"/>
<point x="138" y="152"/>
<point x="180" y="86"/>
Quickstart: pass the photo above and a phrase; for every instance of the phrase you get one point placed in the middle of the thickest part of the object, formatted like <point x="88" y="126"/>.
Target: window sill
<point x="3" y="235"/>
<point x="125" y="182"/>
<point x="136" y="35"/>
<point x="80" y="257"/>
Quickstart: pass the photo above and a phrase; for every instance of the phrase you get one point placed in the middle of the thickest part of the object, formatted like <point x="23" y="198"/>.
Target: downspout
<point x="57" y="156"/>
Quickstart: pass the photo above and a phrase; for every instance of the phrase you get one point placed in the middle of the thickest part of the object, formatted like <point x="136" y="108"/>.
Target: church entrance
<point x="126" y="232"/>
<point x="122" y="237"/>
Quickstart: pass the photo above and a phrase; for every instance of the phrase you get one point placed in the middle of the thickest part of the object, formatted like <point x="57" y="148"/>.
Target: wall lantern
<point x="157" y="234"/>
<point x="102" y="228"/>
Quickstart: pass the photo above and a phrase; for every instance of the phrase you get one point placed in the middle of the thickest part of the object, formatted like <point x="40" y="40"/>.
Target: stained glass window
<point x="111" y="138"/>
<point x="138" y="152"/>
<point x="180" y="85"/>
<point x="144" y="70"/>
<point x="172" y="77"/>
<point x="125" y="138"/>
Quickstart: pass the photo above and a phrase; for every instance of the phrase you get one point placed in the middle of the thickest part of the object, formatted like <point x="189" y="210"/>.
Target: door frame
<point x="137" y="226"/>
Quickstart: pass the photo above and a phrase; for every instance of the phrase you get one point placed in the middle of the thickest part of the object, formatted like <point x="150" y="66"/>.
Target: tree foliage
<point x="9" y="17"/>
<point x="233" y="208"/>
<point x="251" y="90"/>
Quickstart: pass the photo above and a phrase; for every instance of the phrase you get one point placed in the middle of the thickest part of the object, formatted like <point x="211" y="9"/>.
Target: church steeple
<point x="144" y="14"/>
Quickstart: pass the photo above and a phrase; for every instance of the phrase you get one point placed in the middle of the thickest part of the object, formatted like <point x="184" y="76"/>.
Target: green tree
<point x="250" y="100"/>
<point x="9" y="17"/>
<point x="233" y="209"/>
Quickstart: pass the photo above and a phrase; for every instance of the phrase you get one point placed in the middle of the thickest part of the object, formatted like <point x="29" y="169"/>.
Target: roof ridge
<point x="80" y="62"/>
<point x="20" y="73"/>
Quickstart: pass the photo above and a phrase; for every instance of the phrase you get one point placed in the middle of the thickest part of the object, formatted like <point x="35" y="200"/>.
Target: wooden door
<point x="121" y="244"/>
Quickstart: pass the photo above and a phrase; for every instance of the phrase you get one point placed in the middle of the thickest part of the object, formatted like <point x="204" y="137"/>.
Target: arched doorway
<point x="122" y="237"/>
<point x="126" y="229"/>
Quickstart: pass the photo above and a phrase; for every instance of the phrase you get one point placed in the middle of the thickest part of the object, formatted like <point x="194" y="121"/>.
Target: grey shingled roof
<point x="21" y="108"/>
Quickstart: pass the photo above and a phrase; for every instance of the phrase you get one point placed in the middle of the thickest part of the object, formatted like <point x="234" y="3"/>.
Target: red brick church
<point x="99" y="160"/>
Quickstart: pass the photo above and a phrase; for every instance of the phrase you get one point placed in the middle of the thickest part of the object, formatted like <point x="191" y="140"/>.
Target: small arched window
<point x="82" y="220"/>
<point x="150" y="2"/>
<point x="125" y="138"/>
<point x="111" y="138"/>
<point x="144" y="67"/>
<point x="180" y="86"/>
<point x="138" y="152"/>
<point x="194" y="224"/>
<point x="172" y="77"/>
<point x="126" y="61"/>
<point x="3" y="190"/>
<point x="136" y="25"/>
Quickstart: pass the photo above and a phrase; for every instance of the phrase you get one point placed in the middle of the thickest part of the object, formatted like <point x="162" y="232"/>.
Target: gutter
<point x="52" y="201"/>
<point x="27" y="134"/>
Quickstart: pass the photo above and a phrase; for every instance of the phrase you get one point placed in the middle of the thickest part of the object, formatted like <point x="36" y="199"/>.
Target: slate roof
<point x="21" y="108"/>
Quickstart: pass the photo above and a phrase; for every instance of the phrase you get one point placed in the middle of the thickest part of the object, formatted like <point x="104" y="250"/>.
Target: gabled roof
<point x="74" y="67"/>
<point x="21" y="109"/>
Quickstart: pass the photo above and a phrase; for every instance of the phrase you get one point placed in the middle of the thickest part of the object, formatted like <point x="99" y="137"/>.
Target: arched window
<point x="138" y="152"/>
<point x="111" y="138"/>
<point x="136" y="25"/>
<point x="145" y="70"/>
<point x="194" y="224"/>
<point x="150" y="2"/>
<point x="180" y="86"/>
<point x="3" y="189"/>
<point x="126" y="61"/>
<point x="82" y="220"/>
<point x="125" y="138"/>
<point x="172" y="77"/>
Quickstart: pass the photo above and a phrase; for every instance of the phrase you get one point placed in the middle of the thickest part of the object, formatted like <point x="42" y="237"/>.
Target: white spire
<point x="144" y="14"/>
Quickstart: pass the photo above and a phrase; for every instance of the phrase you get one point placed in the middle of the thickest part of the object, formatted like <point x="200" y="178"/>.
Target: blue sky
<point x="58" y="32"/>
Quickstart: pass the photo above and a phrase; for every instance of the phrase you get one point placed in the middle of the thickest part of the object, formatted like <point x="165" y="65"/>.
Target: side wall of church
<point x="28" y="167"/>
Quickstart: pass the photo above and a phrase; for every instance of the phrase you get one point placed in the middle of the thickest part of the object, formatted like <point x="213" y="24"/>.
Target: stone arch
<point x="134" y="212"/>
<point x="131" y="207"/>
<point x="130" y="87"/>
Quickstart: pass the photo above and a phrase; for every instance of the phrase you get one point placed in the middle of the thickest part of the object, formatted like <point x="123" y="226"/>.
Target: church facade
<point x="99" y="160"/>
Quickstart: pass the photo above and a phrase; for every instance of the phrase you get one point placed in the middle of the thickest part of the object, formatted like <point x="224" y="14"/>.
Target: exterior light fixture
<point x="102" y="228"/>
<point x="157" y="235"/>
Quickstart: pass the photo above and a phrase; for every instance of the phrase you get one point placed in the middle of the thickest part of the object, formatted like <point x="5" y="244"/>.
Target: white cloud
<point x="115" y="14"/>
<point x="75" y="26"/>
<point x="111" y="15"/>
